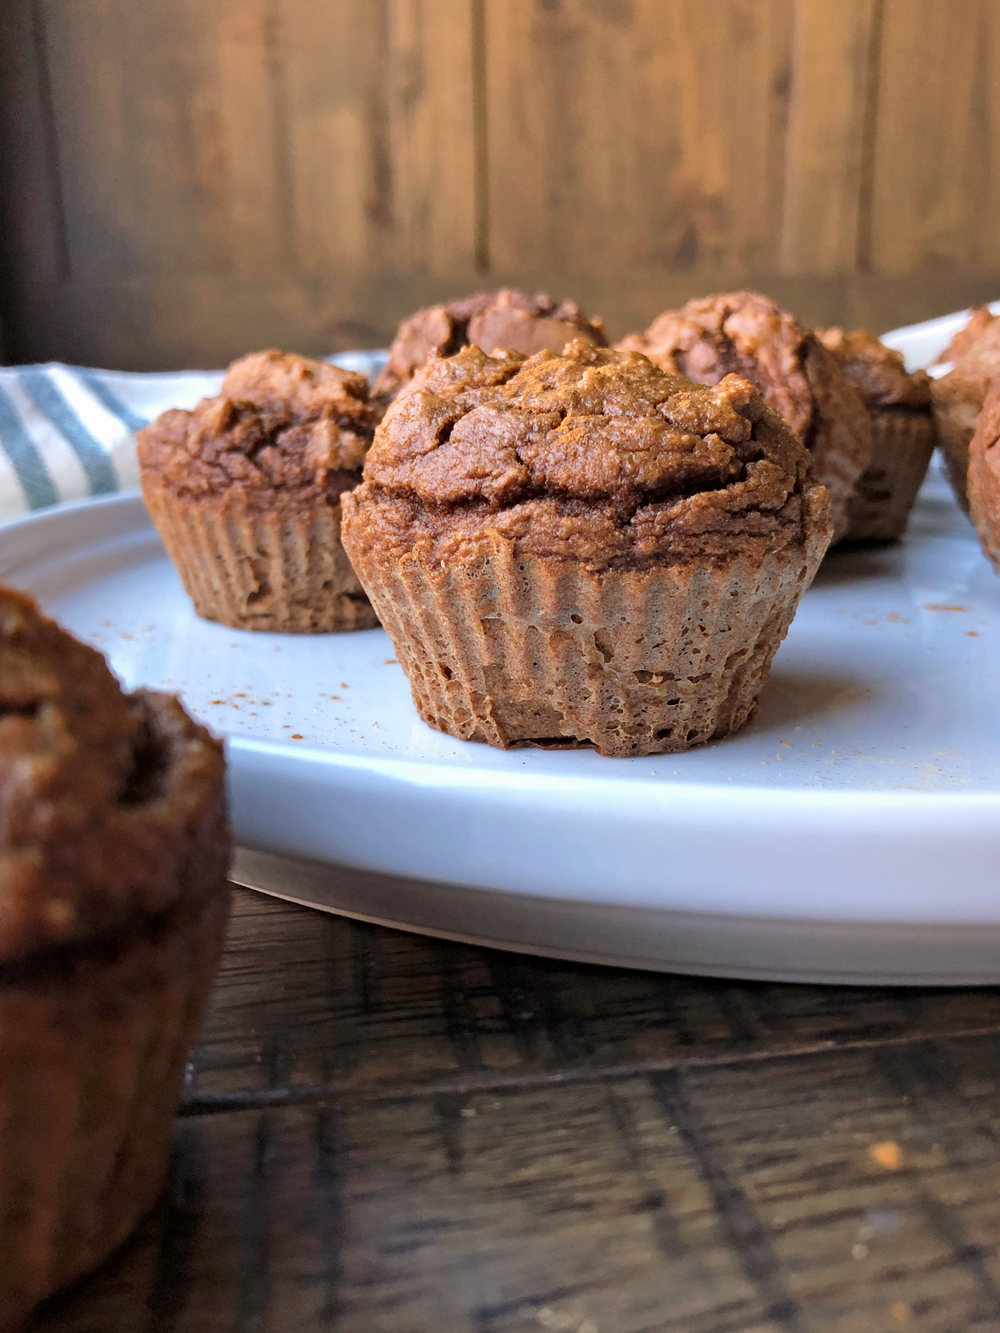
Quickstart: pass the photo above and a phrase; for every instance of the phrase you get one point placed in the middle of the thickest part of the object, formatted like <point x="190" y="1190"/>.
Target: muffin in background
<point x="984" y="475"/>
<point x="745" y="333"/>
<point x="506" y="318"/>
<point x="582" y="550"/>
<point x="113" y="907"/>
<point x="903" y="433"/>
<point x="958" y="396"/>
<point x="968" y="335"/>
<point x="245" y="491"/>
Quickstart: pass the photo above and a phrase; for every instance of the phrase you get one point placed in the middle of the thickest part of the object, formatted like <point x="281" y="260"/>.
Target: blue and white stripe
<point x="67" y="432"/>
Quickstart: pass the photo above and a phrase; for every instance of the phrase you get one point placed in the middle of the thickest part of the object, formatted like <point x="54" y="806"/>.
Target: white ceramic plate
<point x="851" y="832"/>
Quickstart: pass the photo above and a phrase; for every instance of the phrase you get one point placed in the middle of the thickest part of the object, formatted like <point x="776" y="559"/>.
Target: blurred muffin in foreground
<point x="974" y="356"/>
<point x="984" y="475"/>
<point x="490" y="320"/>
<point x="582" y="550"/>
<point x="903" y="433"/>
<point x="113" y="907"/>
<point x="745" y="333"/>
<point x="245" y="491"/>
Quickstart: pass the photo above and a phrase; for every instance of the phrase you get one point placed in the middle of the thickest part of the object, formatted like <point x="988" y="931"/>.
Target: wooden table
<point x="388" y="1134"/>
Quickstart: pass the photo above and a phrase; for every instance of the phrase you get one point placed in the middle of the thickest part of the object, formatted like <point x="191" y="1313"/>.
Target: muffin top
<point x="491" y="320"/>
<point x="878" y="371"/>
<point x="968" y="335"/>
<point x="975" y="356"/>
<point x="593" y="455"/>
<point x="102" y="795"/>
<point x="741" y="333"/>
<point x="279" y="424"/>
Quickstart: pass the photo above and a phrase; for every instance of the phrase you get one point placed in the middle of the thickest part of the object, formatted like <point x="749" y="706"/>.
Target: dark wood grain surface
<point x="383" y="1133"/>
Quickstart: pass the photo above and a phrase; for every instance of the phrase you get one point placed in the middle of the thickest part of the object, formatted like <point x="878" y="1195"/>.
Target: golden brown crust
<point x="103" y="795"/>
<point x="984" y="475"/>
<point x="968" y="335"/>
<point x="489" y="320"/>
<point x="959" y="395"/>
<point x="879" y="372"/>
<point x="595" y="455"/>
<point x="282" y="428"/>
<point x="745" y="333"/>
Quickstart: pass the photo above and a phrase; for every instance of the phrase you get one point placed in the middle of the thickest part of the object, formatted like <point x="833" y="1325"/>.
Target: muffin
<point x="245" y="491"/>
<point x="902" y="433"/>
<point x="984" y="475"/>
<point x="974" y="356"/>
<point x="747" y="334"/>
<point x="968" y="335"/>
<point x="113" y="906"/>
<point x="580" y="549"/>
<point x="491" y="320"/>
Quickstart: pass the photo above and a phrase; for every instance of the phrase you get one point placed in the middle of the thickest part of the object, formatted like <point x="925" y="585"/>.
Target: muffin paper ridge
<point x="248" y="568"/>
<point x="515" y="650"/>
<point x="902" y="445"/>
<point x="96" y="1057"/>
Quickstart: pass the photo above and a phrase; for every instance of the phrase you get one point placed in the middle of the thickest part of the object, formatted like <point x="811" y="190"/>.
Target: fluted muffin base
<point x="279" y="569"/>
<point x="92" y="1054"/>
<point x="902" y="445"/>
<point x="535" y="651"/>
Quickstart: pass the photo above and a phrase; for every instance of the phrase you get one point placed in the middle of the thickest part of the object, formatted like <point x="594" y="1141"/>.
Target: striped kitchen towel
<point x="67" y="432"/>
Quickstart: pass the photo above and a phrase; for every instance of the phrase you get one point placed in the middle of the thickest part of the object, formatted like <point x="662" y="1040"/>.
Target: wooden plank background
<point x="181" y="181"/>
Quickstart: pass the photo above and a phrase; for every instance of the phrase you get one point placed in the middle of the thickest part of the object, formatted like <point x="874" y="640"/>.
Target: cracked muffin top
<point x="103" y="795"/>
<point x="280" y="424"/>
<point x="878" y="371"/>
<point x="490" y="320"/>
<point x="741" y="333"/>
<point x="745" y="333"/>
<point x="592" y="455"/>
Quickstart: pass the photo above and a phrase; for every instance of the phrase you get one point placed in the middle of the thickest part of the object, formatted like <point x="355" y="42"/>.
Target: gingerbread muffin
<point x="114" y="845"/>
<point x="491" y="320"/>
<point x="903" y="433"/>
<point x="245" y="491"/>
<point x="582" y="550"/>
<point x="974" y="356"/>
<point x="984" y="475"/>
<point x="747" y="334"/>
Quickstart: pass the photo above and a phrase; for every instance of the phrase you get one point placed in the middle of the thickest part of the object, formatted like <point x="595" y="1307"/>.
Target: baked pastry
<point x="968" y="335"/>
<point x="580" y="549"/>
<point x="974" y="355"/>
<point x="984" y="475"/>
<point x="747" y="334"/>
<point x="491" y="320"/>
<point x="113" y="907"/>
<point x="245" y="491"/>
<point x="903" y="433"/>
